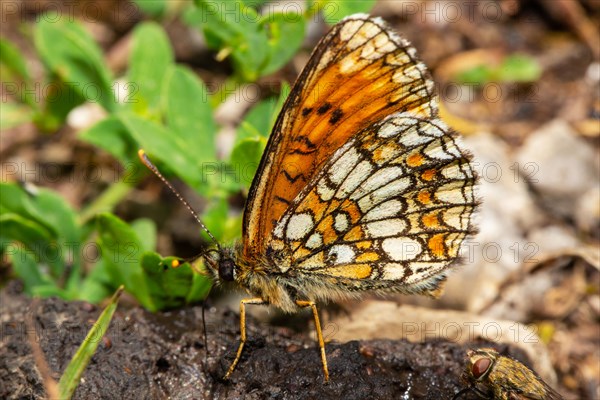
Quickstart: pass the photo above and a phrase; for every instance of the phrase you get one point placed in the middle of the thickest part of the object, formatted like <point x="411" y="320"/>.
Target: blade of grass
<point x="70" y="378"/>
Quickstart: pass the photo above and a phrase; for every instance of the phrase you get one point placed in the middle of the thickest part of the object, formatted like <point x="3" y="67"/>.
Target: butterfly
<point x="361" y="187"/>
<point x="493" y="376"/>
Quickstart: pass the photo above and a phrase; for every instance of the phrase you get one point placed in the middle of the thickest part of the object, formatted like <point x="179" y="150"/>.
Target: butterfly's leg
<point x="256" y="300"/>
<point x="313" y="306"/>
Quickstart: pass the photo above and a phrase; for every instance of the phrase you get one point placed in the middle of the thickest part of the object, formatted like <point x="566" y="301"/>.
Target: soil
<point x="162" y="355"/>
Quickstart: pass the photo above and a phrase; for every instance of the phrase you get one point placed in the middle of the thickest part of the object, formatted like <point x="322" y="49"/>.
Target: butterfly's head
<point x="226" y="269"/>
<point x="221" y="265"/>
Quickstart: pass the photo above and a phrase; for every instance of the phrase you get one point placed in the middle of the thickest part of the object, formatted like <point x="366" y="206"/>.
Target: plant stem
<point x="107" y="200"/>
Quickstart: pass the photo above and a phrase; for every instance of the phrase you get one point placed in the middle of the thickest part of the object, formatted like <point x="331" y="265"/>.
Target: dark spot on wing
<point x="324" y="108"/>
<point x="336" y="116"/>
<point x="306" y="111"/>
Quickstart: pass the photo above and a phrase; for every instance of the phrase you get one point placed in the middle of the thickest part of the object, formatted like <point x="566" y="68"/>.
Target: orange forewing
<point x="358" y="74"/>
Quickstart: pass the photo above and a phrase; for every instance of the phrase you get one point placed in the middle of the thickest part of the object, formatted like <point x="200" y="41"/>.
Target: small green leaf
<point x="16" y="200"/>
<point x="188" y="113"/>
<point x="58" y="213"/>
<point x="31" y="234"/>
<point x="72" y="375"/>
<point x="252" y="136"/>
<point x="27" y="269"/>
<point x="16" y="80"/>
<point x="97" y="285"/>
<point x="246" y="157"/>
<point x="283" y="96"/>
<point x="172" y="287"/>
<point x="215" y="217"/>
<point x="286" y="34"/>
<point x="162" y="144"/>
<point x="258" y="121"/>
<point x="235" y="30"/>
<point x="51" y="290"/>
<point x="476" y="75"/>
<point x="335" y="10"/>
<point x="36" y="239"/>
<point x="153" y="8"/>
<point x="12" y="62"/>
<point x="150" y="58"/>
<point x="519" y="68"/>
<point x="111" y="135"/>
<point x="122" y="252"/>
<point x="200" y="288"/>
<point x="71" y="54"/>
<point x="514" y="68"/>
<point x="45" y="224"/>
<point x="60" y="99"/>
<point x="146" y="231"/>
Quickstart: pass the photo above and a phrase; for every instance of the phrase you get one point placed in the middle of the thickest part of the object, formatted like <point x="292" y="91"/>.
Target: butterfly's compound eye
<point x="480" y="367"/>
<point x="226" y="270"/>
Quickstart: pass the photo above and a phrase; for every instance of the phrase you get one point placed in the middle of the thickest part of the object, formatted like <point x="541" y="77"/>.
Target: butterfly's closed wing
<point x="360" y="73"/>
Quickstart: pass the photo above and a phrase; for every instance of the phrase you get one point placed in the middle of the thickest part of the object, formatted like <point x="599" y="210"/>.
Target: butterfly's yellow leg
<point x="313" y="306"/>
<point x="256" y="300"/>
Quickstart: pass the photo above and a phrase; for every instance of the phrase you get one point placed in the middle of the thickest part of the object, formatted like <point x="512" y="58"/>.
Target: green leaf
<point x="150" y="58"/>
<point x="15" y="76"/>
<point x="172" y="287"/>
<point x="71" y="54"/>
<point x="235" y="29"/>
<point x="122" y="252"/>
<point x="162" y="144"/>
<point x="19" y="229"/>
<point x="60" y="99"/>
<point x="57" y="213"/>
<point x="111" y="135"/>
<point x="97" y="285"/>
<point x="286" y="34"/>
<point x="258" y="122"/>
<point x="27" y="269"/>
<point x="72" y="375"/>
<point x="200" y="288"/>
<point x="46" y="225"/>
<point x="12" y="62"/>
<point x="514" y="68"/>
<point x="335" y="10"/>
<point x="188" y="113"/>
<point x="283" y="95"/>
<point x="45" y="291"/>
<point x="215" y="217"/>
<point x="14" y="114"/>
<point x="146" y="231"/>
<point x="246" y="157"/>
<point x="476" y="75"/>
<point x="153" y="8"/>
<point x="252" y="136"/>
<point x="519" y="68"/>
<point x="14" y="199"/>
<point x="35" y="238"/>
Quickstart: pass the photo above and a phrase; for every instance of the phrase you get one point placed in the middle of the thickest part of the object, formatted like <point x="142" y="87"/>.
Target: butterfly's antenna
<point x="146" y="161"/>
